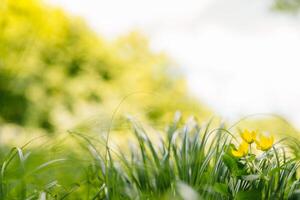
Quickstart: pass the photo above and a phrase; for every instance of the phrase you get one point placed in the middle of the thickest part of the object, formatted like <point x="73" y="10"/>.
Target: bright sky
<point x="239" y="57"/>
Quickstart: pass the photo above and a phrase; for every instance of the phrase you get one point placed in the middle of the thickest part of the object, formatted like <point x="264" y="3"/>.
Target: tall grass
<point x="187" y="162"/>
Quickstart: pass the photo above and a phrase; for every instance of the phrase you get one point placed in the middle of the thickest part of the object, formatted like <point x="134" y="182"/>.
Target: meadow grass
<point x="188" y="161"/>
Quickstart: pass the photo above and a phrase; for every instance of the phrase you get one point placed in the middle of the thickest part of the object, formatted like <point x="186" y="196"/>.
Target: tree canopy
<point x="55" y="72"/>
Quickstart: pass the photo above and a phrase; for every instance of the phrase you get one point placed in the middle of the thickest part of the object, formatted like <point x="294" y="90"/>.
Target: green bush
<point x="55" y="73"/>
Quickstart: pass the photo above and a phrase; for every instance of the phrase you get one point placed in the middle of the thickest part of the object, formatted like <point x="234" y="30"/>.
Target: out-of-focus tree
<point x="287" y="5"/>
<point x="55" y="72"/>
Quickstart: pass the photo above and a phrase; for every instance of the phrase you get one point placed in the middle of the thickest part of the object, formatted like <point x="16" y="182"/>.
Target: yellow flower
<point x="249" y="136"/>
<point x="241" y="151"/>
<point x="264" y="143"/>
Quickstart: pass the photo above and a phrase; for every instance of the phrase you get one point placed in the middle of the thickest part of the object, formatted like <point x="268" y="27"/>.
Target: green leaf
<point x="221" y="188"/>
<point x="235" y="167"/>
<point x="251" y="157"/>
<point x="295" y="195"/>
<point x="251" y="177"/>
<point x="248" y="195"/>
<point x="230" y="162"/>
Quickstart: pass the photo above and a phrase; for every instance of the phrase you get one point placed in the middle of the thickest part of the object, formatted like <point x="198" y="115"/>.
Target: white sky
<point x="239" y="57"/>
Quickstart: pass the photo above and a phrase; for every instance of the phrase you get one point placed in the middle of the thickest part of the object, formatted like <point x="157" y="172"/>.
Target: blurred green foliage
<point x="55" y="72"/>
<point x="287" y="5"/>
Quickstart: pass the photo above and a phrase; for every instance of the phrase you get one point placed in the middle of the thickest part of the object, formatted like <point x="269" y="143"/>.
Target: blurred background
<point x="72" y="64"/>
<point x="238" y="56"/>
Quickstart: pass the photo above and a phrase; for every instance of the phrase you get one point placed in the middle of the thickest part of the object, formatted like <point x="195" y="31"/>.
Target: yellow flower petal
<point x="248" y="136"/>
<point x="264" y="143"/>
<point x="237" y="154"/>
<point x="244" y="147"/>
<point x="241" y="151"/>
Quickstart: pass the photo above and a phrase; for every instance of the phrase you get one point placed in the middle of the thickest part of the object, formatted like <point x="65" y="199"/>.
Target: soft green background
<point x="57" y="74"/>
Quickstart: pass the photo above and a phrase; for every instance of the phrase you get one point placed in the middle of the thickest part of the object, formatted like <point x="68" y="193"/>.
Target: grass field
<point x="189" y="161"/>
